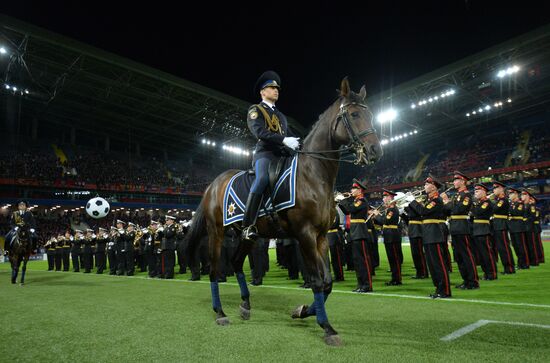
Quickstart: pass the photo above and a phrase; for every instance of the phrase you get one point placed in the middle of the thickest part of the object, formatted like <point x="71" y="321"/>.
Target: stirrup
<point x="250" y="234"/>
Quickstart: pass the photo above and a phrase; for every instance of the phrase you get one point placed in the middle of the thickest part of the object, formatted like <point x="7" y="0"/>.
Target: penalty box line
<point x="478" y="324"/>
<point x="402" y="296"/>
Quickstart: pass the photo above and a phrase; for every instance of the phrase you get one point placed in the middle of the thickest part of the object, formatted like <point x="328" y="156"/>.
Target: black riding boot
<point x="250" y="233"/>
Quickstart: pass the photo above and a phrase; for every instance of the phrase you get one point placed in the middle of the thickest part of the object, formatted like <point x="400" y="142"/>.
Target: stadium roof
<point x="74" y="84"/>
<point x="482" y="87"/>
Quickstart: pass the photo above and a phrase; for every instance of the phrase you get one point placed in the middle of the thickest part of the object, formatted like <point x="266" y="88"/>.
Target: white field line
<point x="478" y="324"/>
<point x="451" y="300"/>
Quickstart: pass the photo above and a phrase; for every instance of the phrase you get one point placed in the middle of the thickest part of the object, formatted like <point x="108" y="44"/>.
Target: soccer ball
<point x="97" y="207"/>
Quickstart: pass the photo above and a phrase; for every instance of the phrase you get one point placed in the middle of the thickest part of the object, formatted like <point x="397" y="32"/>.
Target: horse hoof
<point x="13" y="281"/>
<point x="333" y="340"/>
<point x="22" y="284"/>
<point x="222" y="321"/>
<point x="245" y="313"/>
<point x="299" y="312"/>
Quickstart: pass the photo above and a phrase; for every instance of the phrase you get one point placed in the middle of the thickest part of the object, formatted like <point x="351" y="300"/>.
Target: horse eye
<point x="355" y="114"/>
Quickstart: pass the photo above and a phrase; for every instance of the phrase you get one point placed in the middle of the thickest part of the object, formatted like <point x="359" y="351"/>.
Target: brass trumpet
<point x="339" y="196"/>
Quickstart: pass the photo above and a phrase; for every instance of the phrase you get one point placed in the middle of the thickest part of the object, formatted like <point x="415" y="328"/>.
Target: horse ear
<point x="344" y="87"/>
<point x="363" y="92"/>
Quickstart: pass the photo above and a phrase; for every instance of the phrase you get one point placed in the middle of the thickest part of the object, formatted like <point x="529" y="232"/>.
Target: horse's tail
<point x="197" y="230"/>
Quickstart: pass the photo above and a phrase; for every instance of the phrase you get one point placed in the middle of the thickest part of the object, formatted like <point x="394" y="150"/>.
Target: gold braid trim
<point x="272" y="123"/>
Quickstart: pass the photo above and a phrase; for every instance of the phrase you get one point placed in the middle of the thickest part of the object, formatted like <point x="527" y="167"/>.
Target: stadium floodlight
<point x="14" y="88"/>
<point x="416" y="131"/>
<point x="3" y="50"/>
<point x="204" y="141"/>
<point x="487" y="107"/>
<point x="7" y="86"/>
<point x="413" y="106"/>
<point x="468" y="114"/>
<point x="386" y="116"/>
<point x="509" y="100"/>
<point x="508" y="71"/>
<point x="213" y="143"/>
<point x="27" y="91"/>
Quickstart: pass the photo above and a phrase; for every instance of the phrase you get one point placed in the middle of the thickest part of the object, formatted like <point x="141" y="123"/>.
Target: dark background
<point x="312" y="45"/>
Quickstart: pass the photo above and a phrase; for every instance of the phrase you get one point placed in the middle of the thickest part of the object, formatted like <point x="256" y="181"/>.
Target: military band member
<point x="433" y="214"/>
<point x="101" y="244"/>
<point x="392" y="235"/>
<point x="517" y="228"/>
<point x="76" y="249"/>
<point x="50" y="252"/>
<point x="129" y="241"/>
<point x="538" y="231"/>
<point x="141" y="257"/>
<point x="67" y="251"/>
<point x="168" y="247"/>
<point x="120" y="243"/>
<point x="21" y="219"/>
<point x="87" y="252"/>
<point x="357" y="207"/>
<point x="180" y="247"/>
<point x="458" y="207"/>
<point x="335" y="244"/>
<point x="112" y="250"/>
<point x="528" y="222"/>
<point x="482" y="211"/>
<point x="154" y="248"/>
<point x="59" y="252"/>
<point x="414" y="225"/>
<point x="501" y="207"/>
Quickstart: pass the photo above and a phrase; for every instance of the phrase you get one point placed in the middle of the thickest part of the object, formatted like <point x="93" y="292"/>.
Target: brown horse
<point x="347" y="122"/>
<point x="20" y="251"/>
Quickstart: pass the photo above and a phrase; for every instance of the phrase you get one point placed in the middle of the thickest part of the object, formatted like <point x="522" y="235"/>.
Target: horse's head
<point x="354" y="125"/>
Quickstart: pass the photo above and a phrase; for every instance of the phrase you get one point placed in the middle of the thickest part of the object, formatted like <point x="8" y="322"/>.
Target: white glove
<point x="16" y="228"/>
<point x="410" y="197"/>
<point x="160" y="229"/>
<point x="94" y="236"/>
<point x="339" y="197"/>
<point x="292" y="142"/>
<point x="32" y="230"/>
<point x="121" y="231"/>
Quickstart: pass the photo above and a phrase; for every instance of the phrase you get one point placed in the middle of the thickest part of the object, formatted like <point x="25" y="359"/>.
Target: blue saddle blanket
<point x="238" y="188"/>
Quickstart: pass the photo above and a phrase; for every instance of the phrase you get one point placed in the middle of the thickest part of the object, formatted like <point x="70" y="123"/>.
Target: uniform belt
<point x="370" y="230"/>
<point x="390" y="226"/>
<point x="500" y="216"/>
<point x="516" y="217"/>
<point x="459" y="216"/>
<point x="357" y="221"/>
<point x="536" y="222"/>
<point x="332" y="230"/>
<point x="415" y="222"/>
<point x="484" y="221"/>
<point x="430" y="221"/>
<point x="524" y="219"/>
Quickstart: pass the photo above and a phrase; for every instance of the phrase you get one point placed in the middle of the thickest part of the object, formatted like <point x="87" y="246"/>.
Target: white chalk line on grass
<point x="475" y="301"/>
<point x="478" y="324"/>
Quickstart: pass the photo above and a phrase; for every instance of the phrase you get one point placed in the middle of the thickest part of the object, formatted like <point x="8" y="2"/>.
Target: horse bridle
<point x="355" y="145"/>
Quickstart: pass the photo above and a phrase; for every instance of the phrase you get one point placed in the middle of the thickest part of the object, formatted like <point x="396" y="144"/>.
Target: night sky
<point x="226" y="47"/>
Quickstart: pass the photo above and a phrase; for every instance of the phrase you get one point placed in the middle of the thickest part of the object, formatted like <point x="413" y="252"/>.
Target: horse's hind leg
<point x="321" y="284"/>
<point x="238" y="261"/>
<point x="14" y="271"/>
<point x="215" y="239"/>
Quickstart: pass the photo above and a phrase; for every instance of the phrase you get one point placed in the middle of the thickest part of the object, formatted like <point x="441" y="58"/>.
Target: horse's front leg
<point x="23" y="270"/>
<point x="321" y="284"/>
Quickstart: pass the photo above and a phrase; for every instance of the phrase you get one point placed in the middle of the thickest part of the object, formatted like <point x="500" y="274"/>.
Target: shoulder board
<point x="484" y="205"/>
<point x="500" y="203"/>
<point x="532" y="209"/>
<point x="389" y="215"/>
<point x="466" y="200"/>
<point x="431" y="205"/>
<point x="358" y="202"/>
<point x="520" y="207"/>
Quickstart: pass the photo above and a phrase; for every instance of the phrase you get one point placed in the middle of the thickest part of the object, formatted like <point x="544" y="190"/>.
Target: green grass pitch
<point x="76" y="317"/>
